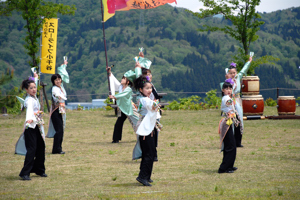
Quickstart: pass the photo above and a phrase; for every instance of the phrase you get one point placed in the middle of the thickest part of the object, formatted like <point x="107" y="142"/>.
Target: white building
<point x="96" y="103"/>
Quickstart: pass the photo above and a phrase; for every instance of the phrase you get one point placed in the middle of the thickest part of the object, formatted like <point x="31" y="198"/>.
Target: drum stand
<point x="256" y="117"/>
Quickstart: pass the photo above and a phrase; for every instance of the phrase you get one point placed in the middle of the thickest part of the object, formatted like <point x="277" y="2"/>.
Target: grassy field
<point x="188" y="153"/>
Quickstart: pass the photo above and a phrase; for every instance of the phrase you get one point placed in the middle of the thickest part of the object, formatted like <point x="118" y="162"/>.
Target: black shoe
<point x="25" y="178"/>
<point x="225" y="171"/>
<point x="155" y="159"/>
<point x="234" y="168"/>
<point x="115" y="141"/>
<point x="42" y="175"/>
<point x="143" y="181"/>
<point x="62" y="152"/>
<point x="241" y="146"/>
<point x="150" y="180"/>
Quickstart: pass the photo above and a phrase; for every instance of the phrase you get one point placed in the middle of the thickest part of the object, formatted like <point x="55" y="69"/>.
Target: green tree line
<point x="183" y="58"/>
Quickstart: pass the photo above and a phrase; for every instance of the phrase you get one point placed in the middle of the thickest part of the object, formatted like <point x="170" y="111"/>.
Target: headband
<point x="30" y="78"/>
<point x="229" y="81"/>
<point x="233" y="65"/>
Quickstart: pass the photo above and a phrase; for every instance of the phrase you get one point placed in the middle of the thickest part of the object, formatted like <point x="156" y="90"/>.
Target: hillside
<point x="184" y="60"/>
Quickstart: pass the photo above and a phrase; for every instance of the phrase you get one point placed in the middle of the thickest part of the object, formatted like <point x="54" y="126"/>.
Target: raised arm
<point x="62" y="71"/>
<point x="36" y="78"/>
<point x="137" y="70"/>
<point x="114" y="83"/>
<point x="245" y="69"/>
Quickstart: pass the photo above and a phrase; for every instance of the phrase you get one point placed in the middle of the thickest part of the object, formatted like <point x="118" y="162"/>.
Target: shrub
<point x="270" y="102"/>
<point x="193" y="102"/>
<point x="212" y="99"/>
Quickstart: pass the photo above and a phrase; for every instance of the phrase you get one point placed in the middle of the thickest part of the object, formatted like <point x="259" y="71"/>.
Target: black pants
<point x="148" y="153"/>
<point x="119" y="127"/>
<point x="229" y="152"/>
<point x="58" y="124"/>
<point x="35" y="156"/>
<point x="238" y="136"/>
<point x="155" y="141"/>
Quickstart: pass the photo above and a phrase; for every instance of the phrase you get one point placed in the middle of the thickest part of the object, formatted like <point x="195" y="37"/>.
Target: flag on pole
<point x="108" y="9"/>
<point x="110" y="6"/>
<point x="49" y="41"/>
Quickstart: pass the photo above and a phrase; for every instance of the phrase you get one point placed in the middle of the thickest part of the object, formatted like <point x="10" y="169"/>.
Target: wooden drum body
<point x="286" y="105"/>
<point x="250" y="85"/>
<point x="253" y="105"/>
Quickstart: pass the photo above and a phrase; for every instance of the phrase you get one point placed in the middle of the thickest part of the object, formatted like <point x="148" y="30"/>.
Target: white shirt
<point x="225" y="107"/>
<point x="57" y="92"/>
<point x="148" y="123"/>
<point x="32" y="105"/>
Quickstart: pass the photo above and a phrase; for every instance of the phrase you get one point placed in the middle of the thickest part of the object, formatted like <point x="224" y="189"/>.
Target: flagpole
<point x="104" y="40"/>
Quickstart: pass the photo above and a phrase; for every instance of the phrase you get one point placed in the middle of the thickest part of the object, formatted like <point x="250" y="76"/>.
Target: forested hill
<point x="184" y="60"/>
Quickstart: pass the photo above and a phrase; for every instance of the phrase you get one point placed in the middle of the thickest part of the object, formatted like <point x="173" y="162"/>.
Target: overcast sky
<point x="265" y="5"/>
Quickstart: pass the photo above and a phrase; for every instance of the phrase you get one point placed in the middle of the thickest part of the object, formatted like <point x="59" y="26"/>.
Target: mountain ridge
<point x="184" y="60"/>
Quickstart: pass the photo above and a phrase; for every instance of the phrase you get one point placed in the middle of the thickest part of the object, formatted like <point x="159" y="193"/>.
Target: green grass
<point x="188" y="153"/>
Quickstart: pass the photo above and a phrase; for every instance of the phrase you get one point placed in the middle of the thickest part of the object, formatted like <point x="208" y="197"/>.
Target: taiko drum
<point x="286" y="105"/>
<point x="250" y="85"/>
<point x="253" y="105"/>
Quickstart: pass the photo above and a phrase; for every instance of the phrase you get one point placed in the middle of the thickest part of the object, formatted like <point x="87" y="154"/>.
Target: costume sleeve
<point x="21" y="100"/>
<point x="114" y="84"/>
<point x="62" y="71"/>
<point x="127" y="92"/>
<point x="148" y="103"/>
<point x="144" y="62"/>
<point x="36" y="80"/>
<point x="244" y="71"/>
<point x="29" y="110"/>
<point x="124" y="101"/>
<point x="138" y="72"/>
<point x="226" y="100"/>
<point x="221" y="85"/>
<point x="56" y="92"/>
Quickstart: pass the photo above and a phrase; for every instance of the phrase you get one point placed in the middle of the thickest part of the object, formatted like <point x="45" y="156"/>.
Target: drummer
<point x="237" y="77"/>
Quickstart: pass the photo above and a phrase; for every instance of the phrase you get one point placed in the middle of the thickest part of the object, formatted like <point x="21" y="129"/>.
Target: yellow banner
<point x="49" y="43"/>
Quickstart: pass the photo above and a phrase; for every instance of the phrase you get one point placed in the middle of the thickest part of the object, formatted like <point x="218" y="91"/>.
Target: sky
<point x="265" y="5"/>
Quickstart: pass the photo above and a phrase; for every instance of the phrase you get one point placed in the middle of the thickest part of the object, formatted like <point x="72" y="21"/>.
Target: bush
<point x="212" y="99"/>
<point x="193" y="102"/>
<point x="108" y="101"/>
<point x="11" y="103"/>
<point x="270" y="102"/>
<point x="190" y="103"/>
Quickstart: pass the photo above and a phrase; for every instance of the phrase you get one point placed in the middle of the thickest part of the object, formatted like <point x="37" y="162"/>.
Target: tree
<point x="96" y="62"/>
<point x="34" y="12"/>
<point x="6" y="77"/>
<point x="232" y="49"/>
<point x="7" y="101"/>
<point x="243" y="24"/>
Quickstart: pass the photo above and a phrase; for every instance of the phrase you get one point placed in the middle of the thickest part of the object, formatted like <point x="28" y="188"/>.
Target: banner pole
<point x="104" y="40"/>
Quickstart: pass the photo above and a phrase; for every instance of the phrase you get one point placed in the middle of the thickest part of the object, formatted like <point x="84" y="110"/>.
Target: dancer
<point x="126" y="108"/>
<point x="226" y="129"/>
<point x="236" y="90"/>
<point x="57" y="121"/>
<point x="143" y="68"/>
<point x="221" y="84"/>
<point x="145" y="129"/>
<point x="31" y="143"/>
<point x="154" y="96"/>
